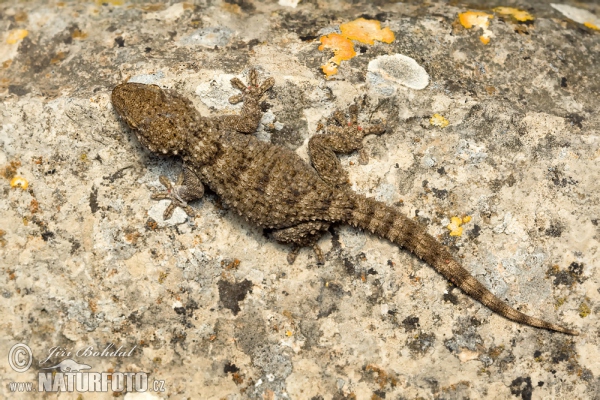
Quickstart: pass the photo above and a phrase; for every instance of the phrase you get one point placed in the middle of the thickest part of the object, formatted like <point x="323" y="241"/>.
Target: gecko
<point x="273" y="187"/>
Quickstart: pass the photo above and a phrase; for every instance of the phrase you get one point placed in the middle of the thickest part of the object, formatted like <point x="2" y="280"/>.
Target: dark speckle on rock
<point x="120" y="41"/>
<point x="555" y="229"/>
<point x="475" y="232"/>
<point x="19" y="90"/>
<point x="230" y="294"/>
<point x="450" y="297"/>
<point x="522" y="387"/>
<point x="410" y="323"/>
<point x="230" y="367"/>
<point x="46" y="235"/>
<point x="575" y="119"/>
<point x="440" y="193"/>
<point x="94" y="200"/>
<point x="576" y="269"/>
<point x="421" y="343"/>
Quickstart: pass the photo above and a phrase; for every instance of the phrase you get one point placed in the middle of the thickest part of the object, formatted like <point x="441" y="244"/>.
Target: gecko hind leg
<point x="187" y="188"/>
<point x="344" y="138"/>
<point x="303" y="235"/>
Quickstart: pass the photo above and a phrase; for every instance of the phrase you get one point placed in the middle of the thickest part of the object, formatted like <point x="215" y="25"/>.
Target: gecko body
<point x="273" y="187"/>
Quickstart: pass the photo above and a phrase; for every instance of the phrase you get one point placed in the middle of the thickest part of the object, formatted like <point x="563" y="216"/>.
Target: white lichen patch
<point x="289" y="3"/>
<point x="156" y="213"/>
<point x="398" y="69"/>
<point x="216" y="92"/>
<point x="148" y="79"/>
<point x="169" y="15"/>
<point x="577" y="14"/>
<point x="208" y="37"/>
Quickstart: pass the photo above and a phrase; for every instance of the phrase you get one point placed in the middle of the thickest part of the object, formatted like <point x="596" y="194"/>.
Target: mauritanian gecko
<point x="273" y="187"/>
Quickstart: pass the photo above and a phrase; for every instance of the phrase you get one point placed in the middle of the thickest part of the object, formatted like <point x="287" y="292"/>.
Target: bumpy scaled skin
<point x="272" y="186"/>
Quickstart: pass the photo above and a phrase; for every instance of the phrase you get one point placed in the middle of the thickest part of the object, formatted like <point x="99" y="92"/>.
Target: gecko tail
<point x="386" y="222"/>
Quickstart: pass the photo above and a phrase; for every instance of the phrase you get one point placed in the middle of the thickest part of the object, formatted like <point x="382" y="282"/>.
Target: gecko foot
<point x="187" y="188"/>
<point x="291" y="257"/>
<point x="253" y="91"/>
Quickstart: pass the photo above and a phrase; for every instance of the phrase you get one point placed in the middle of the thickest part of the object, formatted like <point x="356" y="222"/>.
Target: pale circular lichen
<point x="400" y="69"/>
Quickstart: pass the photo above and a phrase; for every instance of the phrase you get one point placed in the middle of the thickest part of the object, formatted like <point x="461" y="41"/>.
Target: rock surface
<point x="502" y="146"/>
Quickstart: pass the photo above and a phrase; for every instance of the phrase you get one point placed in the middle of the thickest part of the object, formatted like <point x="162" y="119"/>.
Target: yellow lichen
<point x="288" y="333"/>
<point x="78" y="34"/>
<point x="58" y="57"/>
<point x="455" y="225"/>
<point x="361" y="30"/>
<point x="154" y="7"/>
<point x="366" y="31"/>
<point x="519" y="15"/>
<point x="478" y="19"/>
<point x="111" y="2"/>
<point x="591" y="26"/>
<point x="16" y="35"/>
<point x="21" y="16"/>
<point x="19" y="181"/>
<point x="439" y="120"/>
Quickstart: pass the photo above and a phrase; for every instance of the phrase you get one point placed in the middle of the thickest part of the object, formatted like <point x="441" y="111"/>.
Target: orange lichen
<point x="519" y="15"/>
<point x="591" y="26"/>
<point x="16" y="35"/>
<point x="439" y="120"/>
<point x="383" y="378"/>
<point x="34" y="206"/>
<point x="232" y="265"/>
<point x="366" y="31"/>
<point x="19" y="181"/>
<point x="455" y="225"/>
<point x="470" y="19"/>
<point x="343" y="50"/>
<point x="362" y="30"/>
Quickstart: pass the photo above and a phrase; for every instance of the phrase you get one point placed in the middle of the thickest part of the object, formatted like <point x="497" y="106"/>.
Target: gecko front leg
<point x="344" y="138"/>
<point x="187" y="188"/>
<point x="247" y="121"/>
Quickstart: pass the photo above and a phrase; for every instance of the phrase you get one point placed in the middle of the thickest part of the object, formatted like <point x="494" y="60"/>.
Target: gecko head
<point x="162" y="120"/>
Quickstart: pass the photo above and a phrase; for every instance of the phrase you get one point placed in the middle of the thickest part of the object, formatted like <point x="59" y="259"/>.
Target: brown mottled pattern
<point x="272" y="186"/>
<point x="375" y="216"/>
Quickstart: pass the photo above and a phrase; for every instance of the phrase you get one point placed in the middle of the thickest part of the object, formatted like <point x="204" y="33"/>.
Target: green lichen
<point x="584" y="310"/>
